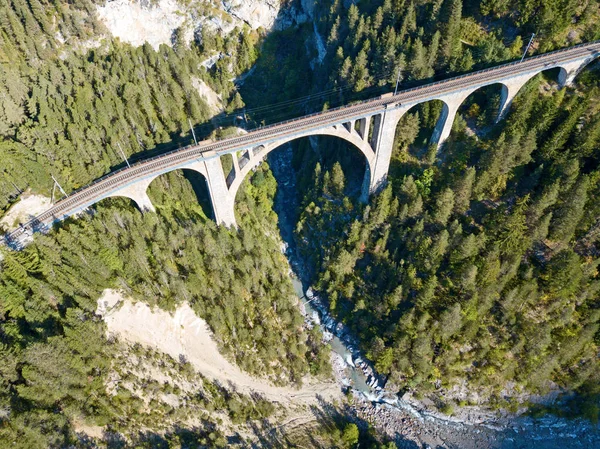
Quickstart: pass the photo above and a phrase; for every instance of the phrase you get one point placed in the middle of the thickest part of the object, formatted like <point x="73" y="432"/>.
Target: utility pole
<point x="398" y="80"/>
<point x="528" y="45"/>
<point x="56" y="183"/>
<point x="123" y="154"/>
<point x="19" y="191"/>
<point x="193" y="133"/>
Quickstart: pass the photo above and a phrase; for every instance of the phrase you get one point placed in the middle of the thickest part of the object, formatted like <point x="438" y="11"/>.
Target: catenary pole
<point x="123" y="154"/>
<point x="528" y="45"/>
<point x="398" y="80"/>
<point x="193" y="133"/>
<point x="56" y="183"/>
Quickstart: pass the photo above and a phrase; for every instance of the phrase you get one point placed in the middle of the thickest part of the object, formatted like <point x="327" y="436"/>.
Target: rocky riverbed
<point x="411" y="432"/>
<point x="410" y="422"/>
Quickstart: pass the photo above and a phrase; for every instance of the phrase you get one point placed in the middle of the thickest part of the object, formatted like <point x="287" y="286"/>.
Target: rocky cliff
<point x="139" y="21"/>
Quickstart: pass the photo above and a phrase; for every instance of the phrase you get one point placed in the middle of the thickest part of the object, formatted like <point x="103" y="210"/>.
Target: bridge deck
<point x="102" y="187"/>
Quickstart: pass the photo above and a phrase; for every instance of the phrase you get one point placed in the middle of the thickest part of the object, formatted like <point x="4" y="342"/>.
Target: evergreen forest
<point x="474" y="269"/>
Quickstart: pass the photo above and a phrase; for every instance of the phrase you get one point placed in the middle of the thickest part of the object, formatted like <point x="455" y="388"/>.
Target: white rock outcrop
<point x="139" y="21"/>
<point x="183" y="333"/>
<point x="28" y="207"/>
<point x="213" y="100"/>
<point x="255" y="13"/>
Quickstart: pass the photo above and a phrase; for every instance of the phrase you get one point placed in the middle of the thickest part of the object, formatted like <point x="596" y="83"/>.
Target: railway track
<point x="102" y="187"/>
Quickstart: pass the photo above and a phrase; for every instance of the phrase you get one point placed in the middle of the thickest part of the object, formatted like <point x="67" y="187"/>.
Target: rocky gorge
<point x="155" y="22"/>
<point x="410" y="422"/>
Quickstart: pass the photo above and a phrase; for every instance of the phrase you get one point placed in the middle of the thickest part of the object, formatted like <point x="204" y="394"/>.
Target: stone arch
<point x="415" y="107"/>
<point x="127" y="201"/>
<point x="137" y="192"/>
<point x="566" y="75"/>
<point x="182" y="177"/>
<point x="512" y="86"/>
<point x="570" y="70"/>
<point x="450" y="105"/>
<point x="486" y="92"/>
<point x="340" y="131"/>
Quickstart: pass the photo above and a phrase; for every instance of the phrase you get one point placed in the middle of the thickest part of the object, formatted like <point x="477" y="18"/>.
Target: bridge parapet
<point x="386" y="111"/>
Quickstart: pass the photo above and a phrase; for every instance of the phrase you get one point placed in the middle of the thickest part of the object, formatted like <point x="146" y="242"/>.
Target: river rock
<point x="315" y="317"/>
<point x="349" y="361"/>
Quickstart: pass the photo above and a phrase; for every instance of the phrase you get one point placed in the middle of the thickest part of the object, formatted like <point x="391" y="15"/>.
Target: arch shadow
<point x="415" y="130"/>
<point x="292" y="163"/>
<point x="179" y="186"/>
<point x="481" y="109"/>
<point x="254" y="156"/>
<point x="119" y="201"/>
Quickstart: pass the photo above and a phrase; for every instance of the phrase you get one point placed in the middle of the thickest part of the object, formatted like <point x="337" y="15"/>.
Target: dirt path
<point x="28" y="207"/>
<point x="183" y="333"/>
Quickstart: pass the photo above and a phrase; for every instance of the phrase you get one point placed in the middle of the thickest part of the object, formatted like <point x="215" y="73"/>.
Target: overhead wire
<point x="311" y="96"/>
<point x="273" y="108"/>
<point x="275" y="112"/>
<point x="316" y="94"/>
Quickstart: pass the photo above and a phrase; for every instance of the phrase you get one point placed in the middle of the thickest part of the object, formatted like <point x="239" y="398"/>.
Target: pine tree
<point x="409" y="21"/>
<point x="452" y="15"/>
<point x="353" y="16"/>
<point x="463" y="189"/>
<point x="567" y="215"/>
<point x="419" y="66"/>
<point x="444" y="205"/>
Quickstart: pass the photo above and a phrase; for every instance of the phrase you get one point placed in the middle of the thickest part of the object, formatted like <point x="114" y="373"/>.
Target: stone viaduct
<point x="369" y="126"/>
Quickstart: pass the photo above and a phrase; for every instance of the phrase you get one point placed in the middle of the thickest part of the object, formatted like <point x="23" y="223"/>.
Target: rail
<point x="114" y="180"/>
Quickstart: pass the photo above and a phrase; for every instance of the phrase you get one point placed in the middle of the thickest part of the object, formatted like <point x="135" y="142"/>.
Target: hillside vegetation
<point x="478" y="265"/>
<point x="68" y="111"/>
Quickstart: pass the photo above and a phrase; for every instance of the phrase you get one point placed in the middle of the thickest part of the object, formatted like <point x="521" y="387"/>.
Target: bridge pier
<point x="236" y="163"/>
<point x="384" y="133"/>
<point x="221" y="198"/>
<point x="444" y="124"/>
<point x="363" y="127"/>
<point x="137" y="192"/>
<point x="510" y="89"/>
<point x="443" y="127"/>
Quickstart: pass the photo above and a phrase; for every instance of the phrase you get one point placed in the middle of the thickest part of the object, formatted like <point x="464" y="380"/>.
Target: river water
<point x="412" y="423"/>
<point x="286" y="206"/>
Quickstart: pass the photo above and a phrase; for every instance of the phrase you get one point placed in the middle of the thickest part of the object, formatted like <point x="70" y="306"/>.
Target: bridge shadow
<point x="275" y="91"/>
<point x="181" y="186"/>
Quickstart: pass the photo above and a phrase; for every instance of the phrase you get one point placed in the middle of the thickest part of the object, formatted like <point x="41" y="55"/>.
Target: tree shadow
<point x="206" y="435"/>
<point x="327" y="412"/>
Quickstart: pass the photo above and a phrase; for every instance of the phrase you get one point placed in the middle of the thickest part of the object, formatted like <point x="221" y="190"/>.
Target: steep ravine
<point x="139" y="21"/>
<point x="410" y="423"/>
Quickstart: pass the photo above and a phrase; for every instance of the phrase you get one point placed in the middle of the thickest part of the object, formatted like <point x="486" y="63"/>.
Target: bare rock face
<point x="255" y="13"/>
<point x="309" y="7"/>
<point x="139" y="21"/>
